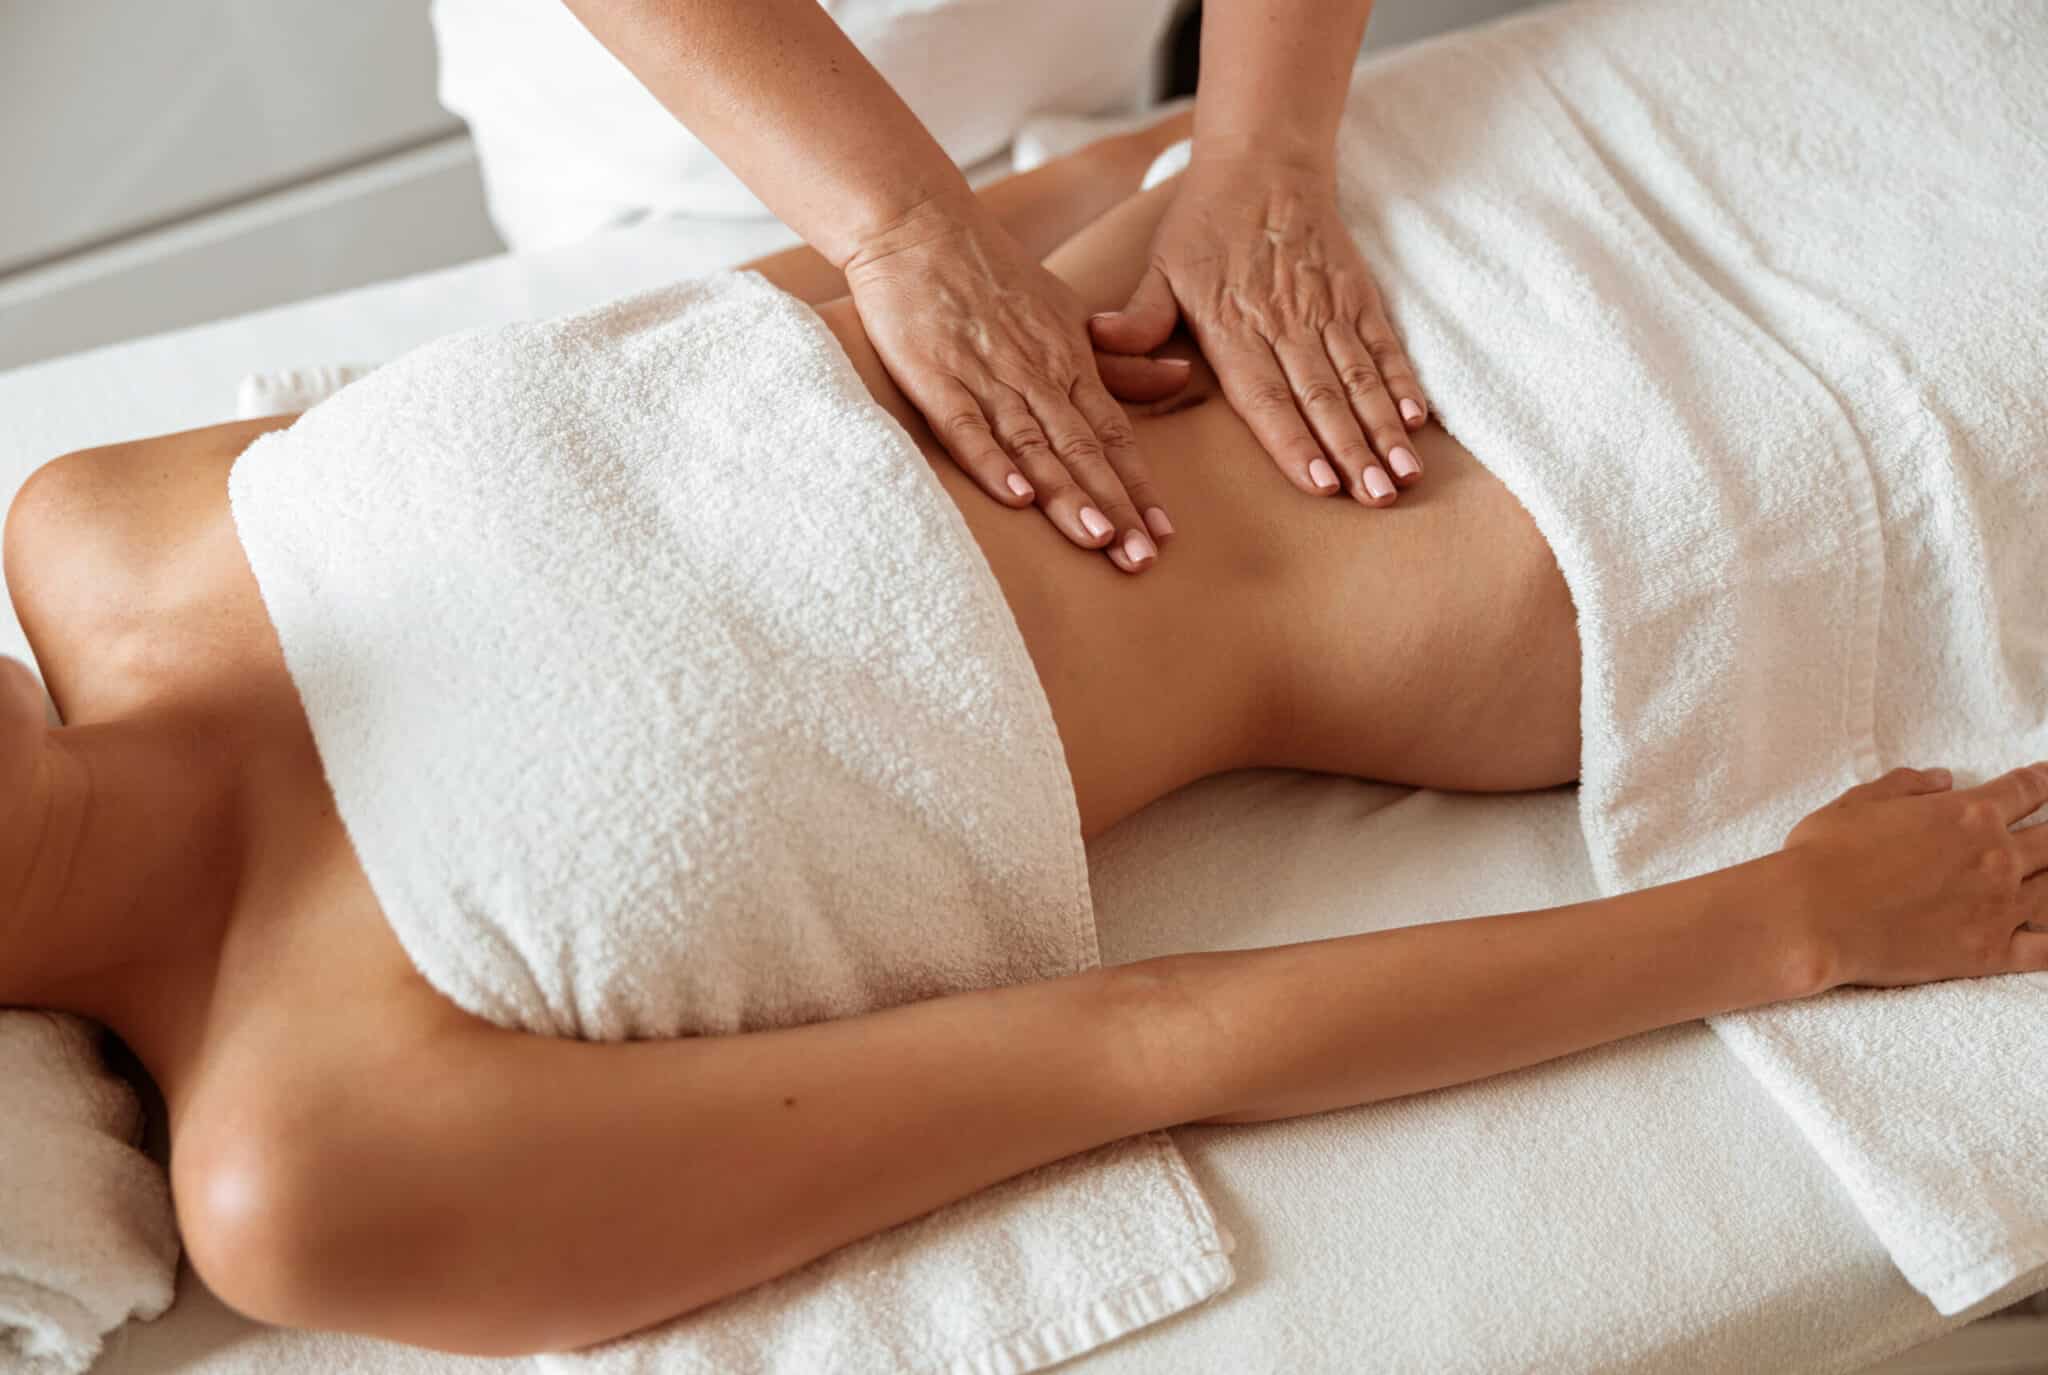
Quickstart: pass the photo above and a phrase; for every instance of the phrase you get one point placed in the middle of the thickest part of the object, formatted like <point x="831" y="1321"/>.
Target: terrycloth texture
<point x="87" y="1240"/>
<point x="664" y="692"/>
<point x="1759" y="341"/>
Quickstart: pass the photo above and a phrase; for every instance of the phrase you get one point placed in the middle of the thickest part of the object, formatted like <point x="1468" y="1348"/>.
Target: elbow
<point x="287" y="1233"/>
<point x="311" y="1230"/>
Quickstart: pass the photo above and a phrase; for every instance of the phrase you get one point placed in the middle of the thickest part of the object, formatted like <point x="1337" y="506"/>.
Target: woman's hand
<point x="1913" y="881"/>
<point x="1253" y="254"/>
<point x="993" y="350"/>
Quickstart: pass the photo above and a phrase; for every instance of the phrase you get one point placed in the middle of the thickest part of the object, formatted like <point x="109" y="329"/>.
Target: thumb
<point x="1138" y="380"/>
<point x="1144" y="323"/>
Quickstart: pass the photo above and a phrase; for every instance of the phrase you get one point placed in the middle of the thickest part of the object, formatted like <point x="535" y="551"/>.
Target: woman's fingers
<point x="2031" y="843"/>
<point x="1120" y="445"/>
<point x="1085" y="453"/>
<point x="2030" y="952"/>
<point x="1900" y="782"/>
<point x="1372" y="401"/>
<point x="1403" y="388"/>
<point x="958" y="421"/>
<point x="1327" y="404"/>
<point x="1059" y="495"/>
<point x="2016" y="795"/>
<point x="1257" y="389"/>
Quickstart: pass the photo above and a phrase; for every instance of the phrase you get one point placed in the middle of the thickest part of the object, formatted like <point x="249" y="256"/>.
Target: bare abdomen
<point x="1430" y="643"/>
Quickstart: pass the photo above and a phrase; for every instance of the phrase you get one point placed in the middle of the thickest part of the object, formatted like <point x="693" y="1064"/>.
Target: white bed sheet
<point x="1690" y="1230"/>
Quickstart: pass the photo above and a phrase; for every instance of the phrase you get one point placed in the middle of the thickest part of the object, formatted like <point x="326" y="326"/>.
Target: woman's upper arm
<point x="498" y="1193"/>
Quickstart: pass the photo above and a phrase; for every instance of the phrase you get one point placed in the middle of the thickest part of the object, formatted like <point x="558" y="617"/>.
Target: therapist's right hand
<point x="994" y="350"/>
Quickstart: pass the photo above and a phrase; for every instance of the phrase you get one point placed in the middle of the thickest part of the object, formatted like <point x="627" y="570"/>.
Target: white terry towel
<point x="663" y="691"/>
<point x="87" y="1239"/>
<point x="1747" y="302"/>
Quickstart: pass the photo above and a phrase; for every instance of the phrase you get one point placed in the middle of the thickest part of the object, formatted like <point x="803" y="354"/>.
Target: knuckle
<point x="963" y="425"/>
<point x="1116" y="432"/>
<point x="1360" y="379"/>
<point x="1317" y="393"/>
<point x="1978" y="814"/>
<point x="1999" y="864"/>
<point x="1269" y="398"/>
<point x="1029" y="445"/>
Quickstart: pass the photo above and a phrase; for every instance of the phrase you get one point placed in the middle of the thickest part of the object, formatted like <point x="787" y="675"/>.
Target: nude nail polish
<point x="1322" y="474"/>
<point x="1403" y="463"/>
<point x="1410" y="411"/>
<point x="1378" y="485"/>
<point x="1137" y="548"/>
<point x="1018" y="485"/>
<point x="1157" y="523"/>
<point x="1094" y="522"/>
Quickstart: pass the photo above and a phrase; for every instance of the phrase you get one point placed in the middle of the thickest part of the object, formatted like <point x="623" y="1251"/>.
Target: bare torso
<point x="1432" y="643"/>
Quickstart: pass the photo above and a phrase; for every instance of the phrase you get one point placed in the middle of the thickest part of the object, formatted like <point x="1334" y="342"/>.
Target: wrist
<point x="1805" y="958"/>
<point x="1269" y="155"/>
<point x="930" y="224"/>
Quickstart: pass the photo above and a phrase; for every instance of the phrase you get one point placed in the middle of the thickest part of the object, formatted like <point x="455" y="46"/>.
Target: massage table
<point x="1644" y="1206"/>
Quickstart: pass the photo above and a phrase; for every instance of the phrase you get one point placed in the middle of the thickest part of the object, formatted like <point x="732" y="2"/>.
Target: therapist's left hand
<point x="1254" y="256"/>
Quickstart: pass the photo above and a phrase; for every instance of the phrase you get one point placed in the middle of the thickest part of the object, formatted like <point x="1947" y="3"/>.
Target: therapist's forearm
<point x="1275" y="74"/>
<point x="790" y="104"/>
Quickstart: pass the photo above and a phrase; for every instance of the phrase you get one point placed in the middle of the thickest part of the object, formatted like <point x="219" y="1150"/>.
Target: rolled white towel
<point x="87" y="1238"/>
<point x="283" y="390"/>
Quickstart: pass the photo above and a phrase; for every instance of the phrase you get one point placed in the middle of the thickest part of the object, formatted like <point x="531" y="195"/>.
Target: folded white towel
<point x="1745" y="302"/>
<point x="86" y="1235"/>
<point x="663" y="691"/>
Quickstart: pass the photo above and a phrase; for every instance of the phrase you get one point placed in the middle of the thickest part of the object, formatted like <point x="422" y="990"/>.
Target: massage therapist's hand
<point x="994" y="350"/>
<point x="1253" y="256"/>
<point x="1911" y="879"/>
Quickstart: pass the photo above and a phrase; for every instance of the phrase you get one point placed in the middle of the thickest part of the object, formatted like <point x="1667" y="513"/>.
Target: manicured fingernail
<point x="1410" y="410"/>
<point x="1103" y="315"/>
<point x="1020" y="486"/>
<point x="1181" y="363"/>
<point x="1322" y="474"/>
<point x="1403" y="463"/>
<point x="1139" y="549"/>
<point x="1377" y="485"/>
<point x="1094" y="522"/>
<point x="1157" y="523"/>
<point x="1940" y="778"/>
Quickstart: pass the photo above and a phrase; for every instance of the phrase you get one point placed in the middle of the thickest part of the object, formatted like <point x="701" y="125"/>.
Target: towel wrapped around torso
<point x="663" y="691"/>
<point x="1747" y="302"/>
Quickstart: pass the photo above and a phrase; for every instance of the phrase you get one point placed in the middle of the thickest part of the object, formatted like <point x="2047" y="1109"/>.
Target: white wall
<point x="166" y="163"/>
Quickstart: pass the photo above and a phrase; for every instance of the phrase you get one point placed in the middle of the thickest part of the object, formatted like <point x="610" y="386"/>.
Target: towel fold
<point x="87" y="1240"/>
<point x="663" y="691"/>
<point x="1745" y="301"/>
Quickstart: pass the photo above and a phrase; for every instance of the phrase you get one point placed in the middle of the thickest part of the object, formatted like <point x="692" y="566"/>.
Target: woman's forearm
<point x="1296" y="1029"/>
<point x="1275" y="74"/>
<point x="659" y="1176"/>
<point x="789" y="103"/>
